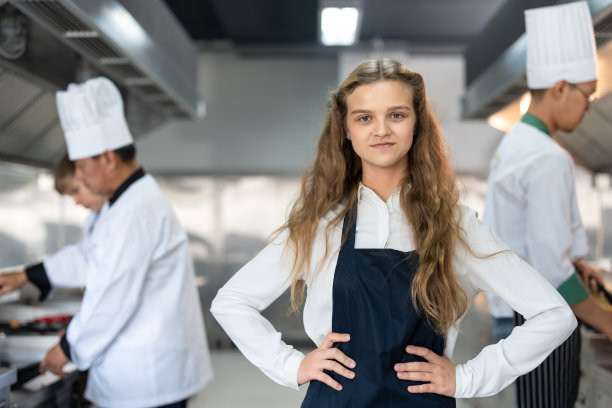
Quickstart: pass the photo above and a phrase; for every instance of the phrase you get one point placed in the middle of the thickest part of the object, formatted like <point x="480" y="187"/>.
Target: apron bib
<point x="372" y="303"/>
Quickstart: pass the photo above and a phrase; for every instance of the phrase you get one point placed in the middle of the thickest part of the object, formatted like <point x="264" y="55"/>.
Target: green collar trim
<point x="535" y="122"/>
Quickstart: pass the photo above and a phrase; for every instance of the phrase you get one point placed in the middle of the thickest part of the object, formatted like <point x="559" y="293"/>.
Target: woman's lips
<point x="382" y="145"/>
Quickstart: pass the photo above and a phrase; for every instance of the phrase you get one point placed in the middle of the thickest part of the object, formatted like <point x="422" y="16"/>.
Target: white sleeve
<point x="580" y="243"/>
<point x="238" y="305"/>
<point x="66" y="267"/>
<point x="549" y="320"/>
<point x="119" y="269"/>
<point x="549" y="228"/>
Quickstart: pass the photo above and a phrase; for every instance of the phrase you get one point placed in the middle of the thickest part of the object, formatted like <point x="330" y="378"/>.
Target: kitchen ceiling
<point x="292" y="25"/>
<point x="55" y="54"/>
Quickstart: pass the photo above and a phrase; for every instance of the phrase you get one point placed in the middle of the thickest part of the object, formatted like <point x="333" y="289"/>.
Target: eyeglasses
<point x="590" y="98"/>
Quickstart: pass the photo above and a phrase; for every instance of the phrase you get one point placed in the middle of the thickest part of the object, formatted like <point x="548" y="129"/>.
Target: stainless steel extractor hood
<point x="496" y="80"/>
<point x="139" y="44"/>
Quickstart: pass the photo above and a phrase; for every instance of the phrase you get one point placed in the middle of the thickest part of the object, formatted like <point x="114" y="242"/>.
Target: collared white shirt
<point x="531" y="205"/>
<point x="377" y="225"/>
<point x="550" y="321"/>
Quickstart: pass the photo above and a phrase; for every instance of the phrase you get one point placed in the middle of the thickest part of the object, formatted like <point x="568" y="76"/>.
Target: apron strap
<point x="349" y="228"/>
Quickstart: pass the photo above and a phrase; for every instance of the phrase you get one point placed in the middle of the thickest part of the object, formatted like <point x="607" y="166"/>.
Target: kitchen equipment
<point x="25" y="349"/>
<point x="39" y="325"/>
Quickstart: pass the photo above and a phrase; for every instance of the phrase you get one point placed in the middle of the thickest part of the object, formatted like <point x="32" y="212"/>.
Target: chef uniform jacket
<point x="63" y="265"/>
<point x="140" y="330"/>
<point x="380" y="224"/>
<point x="531" y="205"/>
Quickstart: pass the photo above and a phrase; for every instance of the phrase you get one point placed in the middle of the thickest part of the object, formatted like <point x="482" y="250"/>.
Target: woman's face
<point x="380" y="122"/>
<point x="83" y="196"/>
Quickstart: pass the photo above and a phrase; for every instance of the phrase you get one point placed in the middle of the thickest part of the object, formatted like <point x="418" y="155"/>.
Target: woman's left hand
<point x="438" y="372"/>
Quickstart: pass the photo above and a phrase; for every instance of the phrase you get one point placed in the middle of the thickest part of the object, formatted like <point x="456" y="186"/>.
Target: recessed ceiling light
<point x="340" y="22"/>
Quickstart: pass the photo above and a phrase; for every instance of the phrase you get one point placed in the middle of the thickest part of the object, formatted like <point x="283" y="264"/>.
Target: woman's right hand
<point x="329" y="358"/>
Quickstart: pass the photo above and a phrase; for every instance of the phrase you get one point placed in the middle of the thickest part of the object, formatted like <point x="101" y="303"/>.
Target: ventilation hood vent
<point x="138" y="44"/>
<point x="107" y="35"/>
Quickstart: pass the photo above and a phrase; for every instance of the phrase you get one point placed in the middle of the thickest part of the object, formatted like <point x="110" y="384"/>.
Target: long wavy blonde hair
<point x="429" y="197"/>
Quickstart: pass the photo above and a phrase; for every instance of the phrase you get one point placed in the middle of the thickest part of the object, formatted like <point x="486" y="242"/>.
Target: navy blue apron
<point x="372" y="303"/>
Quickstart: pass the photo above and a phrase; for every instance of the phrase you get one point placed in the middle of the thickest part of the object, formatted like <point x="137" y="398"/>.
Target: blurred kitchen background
<point x="227" y="99"/>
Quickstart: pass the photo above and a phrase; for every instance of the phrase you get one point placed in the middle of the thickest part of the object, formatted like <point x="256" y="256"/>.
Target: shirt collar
<point x="137" y="175"/>
<point x="536" y="122"/>
<point x="393" y="202"/>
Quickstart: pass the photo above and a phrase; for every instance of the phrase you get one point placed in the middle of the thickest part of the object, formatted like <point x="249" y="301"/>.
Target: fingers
<point x="326" y="379"/>
<point x="338" y="368"/>
<point x="332" y="338"/>
<point x="59" y="371"/>
<point x="438" y="372"/>
<point x="336" y="354"/>
<point x="415" y="366"/>
<point x="416" y="371"/>
<point x="422" y="388"/>
<point x="328" y="358"/>
<point x="43" y="366"/>
<point x="3" y="285"/>
<point x="11" y="281"/>
<point x="416" y="376"/>
<point x="426" y="353"/>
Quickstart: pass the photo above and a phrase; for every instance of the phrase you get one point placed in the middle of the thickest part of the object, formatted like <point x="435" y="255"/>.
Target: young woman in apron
<point x="387" y="263"/>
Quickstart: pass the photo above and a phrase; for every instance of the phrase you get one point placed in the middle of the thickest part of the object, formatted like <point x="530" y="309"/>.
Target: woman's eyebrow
<point x="398" y="107"/>
<point x="360" y="111"/>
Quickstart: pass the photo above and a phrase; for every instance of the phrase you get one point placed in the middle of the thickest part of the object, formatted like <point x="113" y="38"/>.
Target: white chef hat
<point x="560" y="45"/>
<point x="92" y="117"/>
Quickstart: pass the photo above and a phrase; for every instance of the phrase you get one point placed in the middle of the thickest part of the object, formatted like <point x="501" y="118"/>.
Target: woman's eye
<point x="364" y="118"/>
<point x="397" y="115"/>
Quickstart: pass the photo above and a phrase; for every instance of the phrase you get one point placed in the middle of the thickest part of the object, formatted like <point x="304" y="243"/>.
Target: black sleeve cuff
<point x="38" y="276"/>
<point x="65" y="346"/>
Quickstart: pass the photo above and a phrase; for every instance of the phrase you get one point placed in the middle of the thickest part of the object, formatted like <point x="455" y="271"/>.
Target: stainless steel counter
<point x="8" y="376"/>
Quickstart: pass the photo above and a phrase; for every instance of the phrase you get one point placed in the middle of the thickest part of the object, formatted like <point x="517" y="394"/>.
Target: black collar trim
<point x="137" y="175"/>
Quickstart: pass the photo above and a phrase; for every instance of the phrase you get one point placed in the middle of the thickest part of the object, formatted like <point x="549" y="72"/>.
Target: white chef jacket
<point x="140" y="329"/>
<point x="531" y="205"/>
<point x="63" y="267"/>
<point x="238" y="304"/>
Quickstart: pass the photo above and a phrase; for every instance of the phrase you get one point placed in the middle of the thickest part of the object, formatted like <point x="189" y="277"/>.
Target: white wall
<point x="263" y="115"/>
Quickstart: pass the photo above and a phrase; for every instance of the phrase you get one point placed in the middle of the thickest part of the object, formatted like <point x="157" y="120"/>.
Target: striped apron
<point x="554" y="383"/>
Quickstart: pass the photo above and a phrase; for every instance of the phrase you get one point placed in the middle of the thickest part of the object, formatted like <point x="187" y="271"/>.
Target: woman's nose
<point x="382" y="128"/>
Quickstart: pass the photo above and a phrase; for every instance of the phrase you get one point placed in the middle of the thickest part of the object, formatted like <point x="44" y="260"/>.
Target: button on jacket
<point x="238" y="304"/>
<point x="140" y="330"/>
